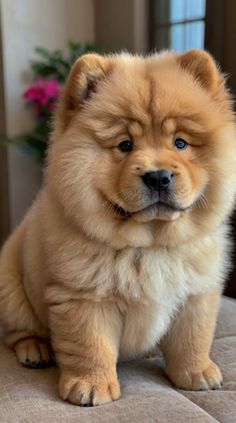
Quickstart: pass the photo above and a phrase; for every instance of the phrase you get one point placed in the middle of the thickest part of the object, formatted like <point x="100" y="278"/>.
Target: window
<point x="177" y="24"/>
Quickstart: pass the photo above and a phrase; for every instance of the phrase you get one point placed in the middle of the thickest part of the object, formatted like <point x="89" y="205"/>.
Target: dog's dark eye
<point x="180" y="144"/>
<point x="126" y="146"/>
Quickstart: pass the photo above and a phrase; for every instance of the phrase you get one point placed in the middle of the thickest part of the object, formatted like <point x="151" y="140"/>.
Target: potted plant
<point x="49" y="73"/>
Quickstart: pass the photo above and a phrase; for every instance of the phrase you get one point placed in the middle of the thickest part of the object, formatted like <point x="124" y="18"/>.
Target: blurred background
<point x="39" y="40"/>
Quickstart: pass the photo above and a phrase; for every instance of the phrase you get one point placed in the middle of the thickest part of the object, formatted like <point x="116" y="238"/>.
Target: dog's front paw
<point x="89" y="388"/>
<point x="184" y="378"/>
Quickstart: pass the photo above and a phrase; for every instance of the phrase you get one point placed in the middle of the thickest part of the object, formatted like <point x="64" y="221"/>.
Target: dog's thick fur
<point x="96" y="266"/>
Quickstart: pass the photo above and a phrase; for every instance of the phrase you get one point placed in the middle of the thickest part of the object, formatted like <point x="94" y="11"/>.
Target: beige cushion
<point x="30" y="396"/>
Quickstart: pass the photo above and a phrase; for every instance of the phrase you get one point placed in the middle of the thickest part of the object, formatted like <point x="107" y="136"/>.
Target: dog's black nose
<point x="159" y="179"/>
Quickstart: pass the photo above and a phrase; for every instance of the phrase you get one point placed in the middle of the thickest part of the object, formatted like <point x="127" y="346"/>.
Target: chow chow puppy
<point x="126" y="245"/>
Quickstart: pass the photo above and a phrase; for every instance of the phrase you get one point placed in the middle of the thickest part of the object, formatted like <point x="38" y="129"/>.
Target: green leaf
<point x="42" y="52"/>
<point x="51" y="64"/>
<point x="4" y="140"/>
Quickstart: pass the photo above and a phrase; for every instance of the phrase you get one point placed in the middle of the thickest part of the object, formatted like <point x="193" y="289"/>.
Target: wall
<point x="122" y="25"/>
<point x="24" y="25"/>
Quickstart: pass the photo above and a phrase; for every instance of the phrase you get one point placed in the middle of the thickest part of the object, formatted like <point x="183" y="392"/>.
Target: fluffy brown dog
<point x="126" y="245"/>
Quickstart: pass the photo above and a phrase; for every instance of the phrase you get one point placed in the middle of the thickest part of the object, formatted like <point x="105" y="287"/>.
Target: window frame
<point x="153" y="26"/>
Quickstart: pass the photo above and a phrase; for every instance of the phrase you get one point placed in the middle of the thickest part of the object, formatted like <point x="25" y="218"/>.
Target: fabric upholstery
<point x="30" y="396"/>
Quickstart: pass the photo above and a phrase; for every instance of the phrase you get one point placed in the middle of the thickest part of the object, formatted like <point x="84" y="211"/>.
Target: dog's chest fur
<point x="146" y="286"/>
<point x="154" y="284"/>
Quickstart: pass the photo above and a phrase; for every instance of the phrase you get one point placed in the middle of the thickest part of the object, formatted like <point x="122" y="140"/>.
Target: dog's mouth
<point x="158" y="210"/>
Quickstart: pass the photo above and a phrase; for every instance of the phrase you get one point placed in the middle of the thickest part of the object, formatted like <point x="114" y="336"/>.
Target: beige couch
<point x="30" y="396"/>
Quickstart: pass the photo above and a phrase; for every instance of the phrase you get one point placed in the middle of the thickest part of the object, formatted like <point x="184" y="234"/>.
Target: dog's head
<point x="143" y="149"/>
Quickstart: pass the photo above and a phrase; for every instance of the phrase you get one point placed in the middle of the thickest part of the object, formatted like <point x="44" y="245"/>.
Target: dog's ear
<point x="202" y="66"/>
<point x="83" y="79"/>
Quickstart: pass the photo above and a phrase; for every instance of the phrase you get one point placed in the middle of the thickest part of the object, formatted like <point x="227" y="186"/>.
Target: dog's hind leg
<point x="22" y="330"/>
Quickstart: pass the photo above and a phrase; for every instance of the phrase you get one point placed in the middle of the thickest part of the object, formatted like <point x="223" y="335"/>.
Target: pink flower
<point x="43" y="91"/>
